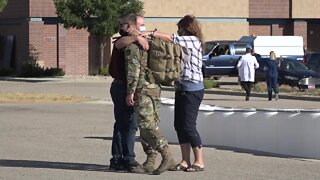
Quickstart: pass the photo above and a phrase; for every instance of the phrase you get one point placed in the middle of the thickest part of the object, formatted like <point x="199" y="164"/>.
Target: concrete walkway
<point x="73" y="141"/>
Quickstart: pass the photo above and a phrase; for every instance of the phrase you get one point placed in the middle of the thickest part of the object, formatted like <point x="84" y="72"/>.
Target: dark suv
<point x="221" y="57"/>
<point x="313" y="61"/>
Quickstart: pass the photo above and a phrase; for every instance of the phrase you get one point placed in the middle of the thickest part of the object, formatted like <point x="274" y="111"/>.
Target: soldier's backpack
<point x="164" y="61"/>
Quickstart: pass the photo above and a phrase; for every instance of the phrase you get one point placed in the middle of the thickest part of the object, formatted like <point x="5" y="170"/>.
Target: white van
<point x="285" y="46"/>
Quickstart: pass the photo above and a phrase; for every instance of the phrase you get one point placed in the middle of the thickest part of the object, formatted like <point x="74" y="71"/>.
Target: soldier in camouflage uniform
<point x="145" y="97"/>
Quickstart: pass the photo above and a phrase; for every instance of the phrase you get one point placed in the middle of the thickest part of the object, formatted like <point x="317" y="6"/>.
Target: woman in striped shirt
<point x="189" y="92"/>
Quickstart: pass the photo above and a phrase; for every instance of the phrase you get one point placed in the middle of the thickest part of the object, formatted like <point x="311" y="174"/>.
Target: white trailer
<point x="282" y="45"/>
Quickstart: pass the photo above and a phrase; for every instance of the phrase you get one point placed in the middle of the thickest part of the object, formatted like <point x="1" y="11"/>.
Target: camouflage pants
<point x="148" y="117"/>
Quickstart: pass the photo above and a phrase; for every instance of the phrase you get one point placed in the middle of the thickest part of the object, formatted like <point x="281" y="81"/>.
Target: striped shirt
<point x="192" y="67"/>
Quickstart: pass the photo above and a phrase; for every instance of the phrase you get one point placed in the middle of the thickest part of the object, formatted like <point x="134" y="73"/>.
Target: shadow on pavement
<point x="107" y="138"/>
<point x="29" y="80"/>
<point x="52" y="165"/>
<point x="57" y="165"/>
<point x="101" y="138"/>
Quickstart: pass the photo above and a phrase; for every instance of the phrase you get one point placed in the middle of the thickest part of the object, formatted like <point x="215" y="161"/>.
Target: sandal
<point x="178" y="167"/>
<point x="194" y="168"/>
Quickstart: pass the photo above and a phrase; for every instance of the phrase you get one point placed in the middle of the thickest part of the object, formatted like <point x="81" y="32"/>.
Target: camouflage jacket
<point x="136" y="67"/>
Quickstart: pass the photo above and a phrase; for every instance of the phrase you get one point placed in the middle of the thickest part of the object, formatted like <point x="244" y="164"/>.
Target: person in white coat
<point x="246" y="67"/>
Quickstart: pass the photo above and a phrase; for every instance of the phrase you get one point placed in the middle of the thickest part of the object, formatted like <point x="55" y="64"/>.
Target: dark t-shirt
<point x="117" y="68"/>
<point x="272" y="66"/>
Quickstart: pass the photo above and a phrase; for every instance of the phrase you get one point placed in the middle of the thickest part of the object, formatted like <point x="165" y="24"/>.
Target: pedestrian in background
<point x="246" y="67"/>
<point x="272" y="65"/>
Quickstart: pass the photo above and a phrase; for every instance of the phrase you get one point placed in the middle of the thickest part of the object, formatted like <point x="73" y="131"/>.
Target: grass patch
<point x="262" y="88"/>
<point x="6" y="97"/>
<point x="209" y="83"/>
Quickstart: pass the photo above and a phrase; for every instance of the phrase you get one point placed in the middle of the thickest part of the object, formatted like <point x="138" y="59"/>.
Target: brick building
<point x="286" y="17"/>
<point x="34" y="24"/>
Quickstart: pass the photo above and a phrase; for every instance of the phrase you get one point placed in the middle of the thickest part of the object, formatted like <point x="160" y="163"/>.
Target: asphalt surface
<point x="73" y="140"/>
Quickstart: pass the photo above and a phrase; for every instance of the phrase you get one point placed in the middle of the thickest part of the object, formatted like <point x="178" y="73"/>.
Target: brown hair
<point x="189" y="26"/>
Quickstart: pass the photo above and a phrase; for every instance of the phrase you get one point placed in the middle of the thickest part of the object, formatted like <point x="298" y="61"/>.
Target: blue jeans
<point x="272" y="83"/>
<point x="125" y="126"/>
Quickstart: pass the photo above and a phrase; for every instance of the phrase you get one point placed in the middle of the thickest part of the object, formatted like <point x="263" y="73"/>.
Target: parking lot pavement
<point x="73" y="141"/>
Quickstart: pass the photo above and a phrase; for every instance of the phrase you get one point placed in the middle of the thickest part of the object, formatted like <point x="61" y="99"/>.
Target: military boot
<point x="167" y="161"/>
<point x="150" y="162"/>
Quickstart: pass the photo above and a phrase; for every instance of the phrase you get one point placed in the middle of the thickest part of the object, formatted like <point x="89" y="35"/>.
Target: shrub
<point x="35" y="70"/>
<point x="31" y="70"/>
<point x="101" y="72"/>
<point x="54" y="72"/>
<point x="6" y="71"/>
<point x="209" y="83"/>
<point x="104" y="71"/>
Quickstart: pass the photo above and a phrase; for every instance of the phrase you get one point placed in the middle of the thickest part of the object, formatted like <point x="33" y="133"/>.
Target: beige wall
<point x="167" y="27"/>
<point x="225" y="30"/>
<point x="211" y="30"/>
<point x="305" y="9"/>
<point x="215" y="16"/>
<point x="199" y="8"/>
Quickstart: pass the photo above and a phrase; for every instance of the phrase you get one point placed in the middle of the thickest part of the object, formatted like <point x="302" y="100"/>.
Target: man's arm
<point x="127" y="40"/>
<point x="132" y="57"/>
<point x="256" y="64"/>
<point x="239" y="62"/>
<point x="163" y="36"/>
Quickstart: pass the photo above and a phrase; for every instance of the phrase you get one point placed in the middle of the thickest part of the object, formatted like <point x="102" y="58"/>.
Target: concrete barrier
<point x="294" y="132"/>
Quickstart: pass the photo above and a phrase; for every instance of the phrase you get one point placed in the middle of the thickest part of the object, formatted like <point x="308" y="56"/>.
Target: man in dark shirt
<point x="125" y="126"/>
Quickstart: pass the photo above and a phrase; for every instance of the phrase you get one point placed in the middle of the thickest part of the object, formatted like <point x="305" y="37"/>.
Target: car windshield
<point x="209" y="46"/>
<point x="294" y="65"/>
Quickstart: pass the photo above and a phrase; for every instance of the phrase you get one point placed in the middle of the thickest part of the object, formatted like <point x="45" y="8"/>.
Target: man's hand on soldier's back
<point x="130" y="99"/>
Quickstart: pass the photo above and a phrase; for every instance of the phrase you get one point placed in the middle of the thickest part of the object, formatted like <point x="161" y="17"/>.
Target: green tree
<point x="3" y="4"/>
<point x="99" y="17"/>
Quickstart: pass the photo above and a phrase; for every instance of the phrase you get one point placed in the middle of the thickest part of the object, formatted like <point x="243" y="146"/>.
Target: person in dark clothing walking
<point x="272" y="65"/>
